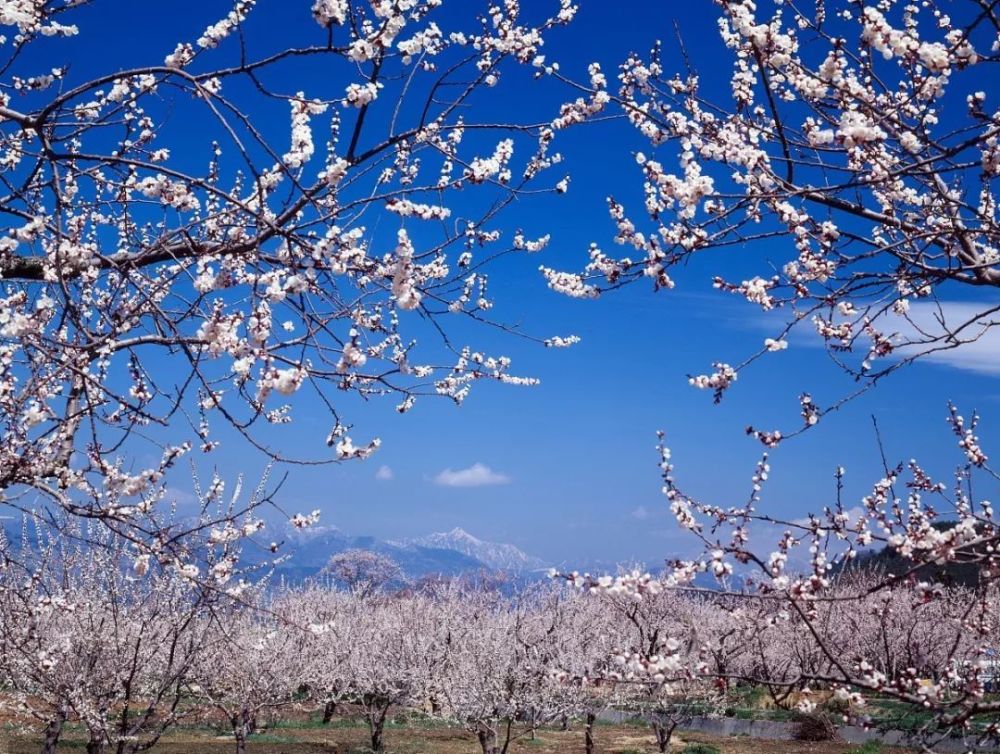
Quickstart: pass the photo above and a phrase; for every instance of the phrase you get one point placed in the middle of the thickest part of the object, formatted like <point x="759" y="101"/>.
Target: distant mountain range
<point x="305" y="552"/>
<point x="451" y="553"/>
<point x="496" y="556"/>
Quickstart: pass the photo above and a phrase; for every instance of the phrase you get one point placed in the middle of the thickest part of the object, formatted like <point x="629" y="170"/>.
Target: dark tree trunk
<point x="242" y="723"/>
<point x="509" y="723"/>
<point x="378" y="744"/>
<point x="487" y="740"/>
<point x="564" y="722"/>
<point x="52" y="731"/>
<point x="588" y="733"/>
<point x="376" y="726"/>
<point x="329" y="710"/>
<point x="96" y="745"/>
<point x="664" y="731"/>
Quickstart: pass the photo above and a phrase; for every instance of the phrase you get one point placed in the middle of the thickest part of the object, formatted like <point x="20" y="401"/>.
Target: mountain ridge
<point x="451" y="553"/>
<point x="498" y="556"/>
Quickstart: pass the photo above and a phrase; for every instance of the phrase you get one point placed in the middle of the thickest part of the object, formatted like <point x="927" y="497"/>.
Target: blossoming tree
<point x="363" y="571"/>
<point x="252" y="664"/>
<point x="169" y="259"/>
<point x="857" y="151"/>
<point x="856" y="148"/>
<point x="82" y="638"/>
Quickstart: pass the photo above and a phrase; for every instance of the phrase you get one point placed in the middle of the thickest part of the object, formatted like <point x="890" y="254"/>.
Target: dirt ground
<point x="352" y="739"/>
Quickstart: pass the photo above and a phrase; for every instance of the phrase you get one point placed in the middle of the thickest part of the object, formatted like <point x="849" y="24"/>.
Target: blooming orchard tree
<point x="326" y="614"/>
<point x="499" y="673"/>
<point x="581" y="644"/>
<point x="661" y="663"/>
<point x="802" y="625"/>
<point x="252" y="663"/>
<point x="397" y="653"/>
<point x="170" y="259"/>
<point x="364" y="571"/>
<point x="82" y="636"/>
<point x="542" y="615"/>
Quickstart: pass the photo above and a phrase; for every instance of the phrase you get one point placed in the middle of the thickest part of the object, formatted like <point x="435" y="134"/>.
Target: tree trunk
<point x="95" y="745"/>
<point x="378" y="745"/>
<point x="241" y="741"/>
<point x="564" y="722"/>
<point x="663" y="731"/>
<point x="487" y="739"/>
<point x="241" y="722"/>
<point x="506" y="735"/>
<point x="53" y="730"/>
<point x="329" y="710"/>
<point x="376" y="725"/>
<point x="588" y="733"/>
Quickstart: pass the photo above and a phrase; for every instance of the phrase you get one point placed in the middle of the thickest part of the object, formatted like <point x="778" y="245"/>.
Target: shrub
<point x="816" y="727"/>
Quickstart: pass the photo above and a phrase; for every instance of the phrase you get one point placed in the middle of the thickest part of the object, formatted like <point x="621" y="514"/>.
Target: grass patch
<point x="271" y="738"/>
<point x="317" y="722"/>
<point x="700" y="749"/>
<point x="312" y="722"/>
<point x="868" y="747"/>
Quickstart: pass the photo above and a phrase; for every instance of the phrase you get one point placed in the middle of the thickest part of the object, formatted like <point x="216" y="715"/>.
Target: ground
<point x="349" y="737"/>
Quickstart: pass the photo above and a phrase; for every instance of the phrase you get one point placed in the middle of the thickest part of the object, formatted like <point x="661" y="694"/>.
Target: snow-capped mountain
<point x="450" y="553"/>
<point x="496" y="556"/>
<point x="309" y="550"/>
<point x="446" y="554"/>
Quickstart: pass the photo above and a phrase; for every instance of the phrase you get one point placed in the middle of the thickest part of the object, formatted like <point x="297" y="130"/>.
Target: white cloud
<point x="978" y="336"/>
<point x="181" y="498"/>
<point x="477" y="475"/>
<point x="641" y="513"/>
<point x="384" y="473"/>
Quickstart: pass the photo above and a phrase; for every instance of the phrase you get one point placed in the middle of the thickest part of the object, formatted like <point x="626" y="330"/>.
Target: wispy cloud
<point x="384" y="473"/>
<point x="181" y="498"/>
<point x="477" y="475"/>
<point x="974" y="347"/>
<point x="641" y="513"/>
<point x="978" y="336"/>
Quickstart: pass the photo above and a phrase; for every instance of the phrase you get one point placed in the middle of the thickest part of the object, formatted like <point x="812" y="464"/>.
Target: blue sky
<point x="569" y="467"/>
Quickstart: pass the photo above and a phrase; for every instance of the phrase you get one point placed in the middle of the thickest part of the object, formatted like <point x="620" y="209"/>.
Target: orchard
<point x="281" y="229"/>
